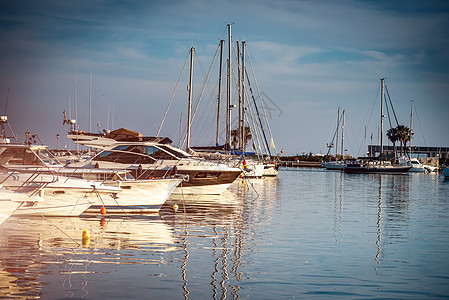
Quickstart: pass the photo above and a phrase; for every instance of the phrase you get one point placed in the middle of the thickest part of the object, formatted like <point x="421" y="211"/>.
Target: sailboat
<point x="417" y="166"/>
<point x="233" y="151"/>
<point x="337" y="164"/>
<point x="377" y="165"/>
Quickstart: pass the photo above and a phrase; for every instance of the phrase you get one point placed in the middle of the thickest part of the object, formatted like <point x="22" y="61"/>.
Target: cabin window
<point x="20" y="157"/>
<point x="157" y="153"/>
<point x="131" y="154"/>
<point x="206" y="175"/>
<point x="46" y="157"/>
<point x="174" y="152"/>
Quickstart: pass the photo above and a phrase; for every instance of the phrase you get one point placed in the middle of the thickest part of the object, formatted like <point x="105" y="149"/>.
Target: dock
<point x="300" y="164"/>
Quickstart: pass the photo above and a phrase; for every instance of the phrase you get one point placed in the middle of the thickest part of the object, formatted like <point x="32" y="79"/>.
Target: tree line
<point x="401" y="134"/>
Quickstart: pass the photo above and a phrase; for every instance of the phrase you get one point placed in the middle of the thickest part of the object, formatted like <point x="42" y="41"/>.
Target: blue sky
<point x="309" y="58"/>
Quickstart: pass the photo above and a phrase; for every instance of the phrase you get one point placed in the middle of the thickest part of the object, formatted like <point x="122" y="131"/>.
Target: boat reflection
<point x="37" y="250"/>
<point x="213" y="230"/>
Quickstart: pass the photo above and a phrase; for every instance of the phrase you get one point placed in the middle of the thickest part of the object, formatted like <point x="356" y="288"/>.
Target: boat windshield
<point x="134" y="154"/>
<point x="176" y="152"/>
<point x="26" y="156"/>
<point x="46" y="157"/>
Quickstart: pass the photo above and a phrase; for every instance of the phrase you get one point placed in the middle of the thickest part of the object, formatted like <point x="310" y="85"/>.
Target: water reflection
<point x="36" y="250"/>
<point x="215" y="231"/>
<point x="202" y="218"/>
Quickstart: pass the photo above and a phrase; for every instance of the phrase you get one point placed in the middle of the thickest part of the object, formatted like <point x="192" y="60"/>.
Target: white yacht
<point x="418" y="167"/>
<point x="31" y="169"/>
<point x="147" y="159"/>
<point x="10" y="202"/>
<point x="136" y="196"/>
<point x="334" y="165"/>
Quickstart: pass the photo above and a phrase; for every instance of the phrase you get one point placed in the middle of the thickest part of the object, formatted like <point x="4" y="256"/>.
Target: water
<point x="310" y="233"/>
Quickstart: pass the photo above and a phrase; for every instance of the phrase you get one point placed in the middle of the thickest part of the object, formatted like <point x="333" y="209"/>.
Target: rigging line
<point x="370" y="115"/>
<point x="388" y="114"/>
<point x="335" y="133"/>
<point x="330" y="132"/>
<point x="253" y="128"/>
<point x="202" y="126"/>
<point x="205" y="83"/>
<point x="202" y="90"/>
<point x="256" y="137"/>
<point x="258" y="115"/>
<point x="260" y="97"/>
<point x="392" y="108"/>
<point x="419" y="123"/>
<point x="173" y="94"/>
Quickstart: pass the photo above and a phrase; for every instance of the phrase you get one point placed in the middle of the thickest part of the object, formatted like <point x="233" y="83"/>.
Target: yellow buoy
<point x="243" y="181"/>
<point x="85" y="237"/>
<point x="175" y="207"/>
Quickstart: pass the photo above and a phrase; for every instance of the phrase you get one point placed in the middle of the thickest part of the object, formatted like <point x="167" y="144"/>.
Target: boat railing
<point x="32" y="180"/>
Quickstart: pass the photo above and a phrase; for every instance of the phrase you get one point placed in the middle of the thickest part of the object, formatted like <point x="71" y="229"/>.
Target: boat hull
<point x="9" y="202"/>
<point x="137" y="196"/>
<point x="334" y="165"/>
<point x="377" y="169"/>
<point x="213" y="189"/>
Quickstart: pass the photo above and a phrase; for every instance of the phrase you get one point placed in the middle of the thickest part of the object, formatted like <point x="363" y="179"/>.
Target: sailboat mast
<point x="228" y="98"/>
<point x="76" y="108"/>
<point x="90" y="103"/>
<point x="219" y="93"/>
<point x="239" y="72"/>
<point x="343" y="135"/>
<point x="189" y="106"/>
<point x="336" y="140"/>
<point x="411" y="127"/>
<point x="382" y="118"/>
<point x="242" y="120"/>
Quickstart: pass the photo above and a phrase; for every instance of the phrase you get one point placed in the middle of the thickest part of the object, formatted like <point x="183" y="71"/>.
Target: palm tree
<point x="392" y="135"/>
<point x="404" y="136"/>
<point x="247" y="136"/>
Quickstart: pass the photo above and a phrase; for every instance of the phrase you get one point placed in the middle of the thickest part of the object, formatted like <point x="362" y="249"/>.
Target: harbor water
<point x="309" y="233"/>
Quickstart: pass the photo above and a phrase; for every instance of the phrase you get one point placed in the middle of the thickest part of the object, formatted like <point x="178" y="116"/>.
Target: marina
<point x="309" y="233"/>
<point x="142" y="158"/>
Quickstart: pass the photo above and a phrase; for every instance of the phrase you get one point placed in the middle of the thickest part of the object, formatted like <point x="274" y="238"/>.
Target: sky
<point x="309" y="59"/>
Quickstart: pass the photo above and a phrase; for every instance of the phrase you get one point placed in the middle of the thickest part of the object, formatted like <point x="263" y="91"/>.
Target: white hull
<point x="253" y="169"/>
<point x="418" y="167"/>
<point x="334" y="165"/>
<point x="52" y="208"/>
<point x="9" y="202"/>
<point x="270" y="171"/>
<point x="137" y="196"/>
<point x="213" y="189"/>
<point x="64" y="197"/>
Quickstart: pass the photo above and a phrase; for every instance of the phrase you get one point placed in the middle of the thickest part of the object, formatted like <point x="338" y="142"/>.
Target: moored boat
<point x="147" y="160"/>
<point x="10" y="202"/>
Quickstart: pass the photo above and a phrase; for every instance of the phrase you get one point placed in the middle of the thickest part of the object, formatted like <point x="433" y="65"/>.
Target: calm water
<point x="310" y="233"/>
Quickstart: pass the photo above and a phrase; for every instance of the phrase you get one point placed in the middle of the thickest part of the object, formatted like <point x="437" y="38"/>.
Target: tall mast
<point x="343" y="135"/>
<point x="242" y="120"/>
<point x="189" y="107"/>
<point x="219" y="93"/>
<point x="90" y="103"/>
<point x="228" y="94"/>
<point x="382" y="118"/>
<point x="336" y="140"/>
<point x="411" y="127"/>
<point x="76" y="108"/>
<point x="239" y="128"/>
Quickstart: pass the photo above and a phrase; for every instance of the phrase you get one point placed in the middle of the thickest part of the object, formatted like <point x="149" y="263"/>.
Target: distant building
<point x="422" y="152"/>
